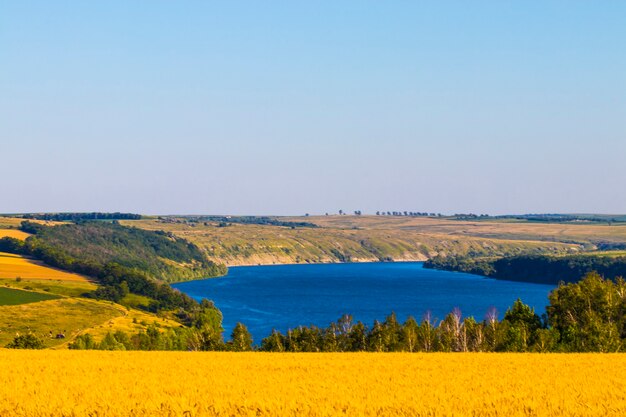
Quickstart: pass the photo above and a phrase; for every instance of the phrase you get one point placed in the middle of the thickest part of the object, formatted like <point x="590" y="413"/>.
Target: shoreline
<point x="328" y="263"/>
<point x="356" y="261"/>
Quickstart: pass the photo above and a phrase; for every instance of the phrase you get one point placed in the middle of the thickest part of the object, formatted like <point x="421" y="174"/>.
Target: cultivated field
<point x="14" y="222"/>
<point x="73" y="383"/>
<point x="13" y="266"/>
<point x="14" y="233"/>
<point x="11" y="296"/>
<point x="497" y="229"/>
<point x="358" y="238"/>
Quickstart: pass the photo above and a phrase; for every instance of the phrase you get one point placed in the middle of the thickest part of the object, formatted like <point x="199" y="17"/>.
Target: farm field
<point x="359" y="238"/>
<point x="61" y="383"/>
<point x="13" y="266"/>
<point x="59" y="287"/>
<point x="10" y="296"/>
<point x="497" y="229"/>
<point x="14" y="233"/>
<point x="14" y="222"/>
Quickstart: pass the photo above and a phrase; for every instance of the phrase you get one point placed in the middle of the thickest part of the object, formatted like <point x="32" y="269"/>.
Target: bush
<point x="27" y="341"/>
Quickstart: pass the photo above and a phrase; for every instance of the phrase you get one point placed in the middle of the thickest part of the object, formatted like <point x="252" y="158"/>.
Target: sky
<point x="287" y="107"/>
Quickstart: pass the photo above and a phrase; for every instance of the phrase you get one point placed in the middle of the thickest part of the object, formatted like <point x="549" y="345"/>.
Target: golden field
<point x="14" y="233"/>
<point x="83" y="383"/>
<point x="14" y="222"/>
<point x="13" y="266"/>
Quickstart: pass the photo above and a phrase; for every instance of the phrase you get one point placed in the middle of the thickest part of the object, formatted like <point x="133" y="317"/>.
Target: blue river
<point x="286" y="296"/>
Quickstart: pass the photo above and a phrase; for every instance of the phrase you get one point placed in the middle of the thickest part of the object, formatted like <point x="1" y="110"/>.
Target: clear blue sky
<point x="268" y="107"/>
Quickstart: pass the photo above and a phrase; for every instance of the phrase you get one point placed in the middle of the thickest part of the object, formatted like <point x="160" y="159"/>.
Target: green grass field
<point x="10" y="296"/>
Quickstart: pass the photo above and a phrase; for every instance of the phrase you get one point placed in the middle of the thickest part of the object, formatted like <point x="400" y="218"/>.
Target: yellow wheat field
<point x="13" y="266"/>
<point x="91" y="383"/>
<point x="16" y="234"/>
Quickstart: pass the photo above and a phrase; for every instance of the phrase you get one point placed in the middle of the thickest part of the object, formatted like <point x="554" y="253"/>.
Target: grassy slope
<point x="156" y="255"/>
<point x="371" y="238"/>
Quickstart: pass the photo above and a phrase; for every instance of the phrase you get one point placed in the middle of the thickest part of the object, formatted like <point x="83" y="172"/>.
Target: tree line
<point x="407" y="213"/>
<point x="76" y="217"/>
<point x="227" y="220"/>
<point x="543" y="269"/>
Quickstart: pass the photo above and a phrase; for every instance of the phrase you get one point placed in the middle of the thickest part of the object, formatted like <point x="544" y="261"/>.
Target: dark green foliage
<point x="274" y="342"/>
<point x="12" y="245"/>
<point x="240" y="340"/>
<point x="31" y="227"/>
<point x="76" y="217"/>
<point x="83" y="342"/>
<point x="26" y="341"/>
<point x="590" y="315"/>
<point x="535" y="268"/>
<point x="86" y="247"/>
<point x="261" y="220"/>
<point x="462" y="264"/>
<point x="521" y="325"/>
<point x="112" y="292"/>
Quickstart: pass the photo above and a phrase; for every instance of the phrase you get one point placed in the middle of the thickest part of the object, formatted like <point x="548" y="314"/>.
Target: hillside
<point x="374" y="238"/>
<point x="45" y="301"/>
<point x="94" y="278"/>
<point x="96" y="244"/>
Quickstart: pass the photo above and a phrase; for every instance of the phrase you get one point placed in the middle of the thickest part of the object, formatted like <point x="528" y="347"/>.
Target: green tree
<point x="330" y="338"/>
<point x="275" y="342"/>
<point x="26" y="341"/>
<point x="589" y="314"/>
<point x="426" y="334"/>
<point x="376" y="338"/>
<point x="409" y="335"/>
<point x="358" y="338"/>
<point x="491" y="328"/>
<point x="546" y="340"/>
<point x="475" y="334"/>
<point x="523" y="325"/>
<point x="111" y="343"/>
<point x="83" y="342"/>
<point x="241" y="339"/>
<point x="392" y="333"/>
